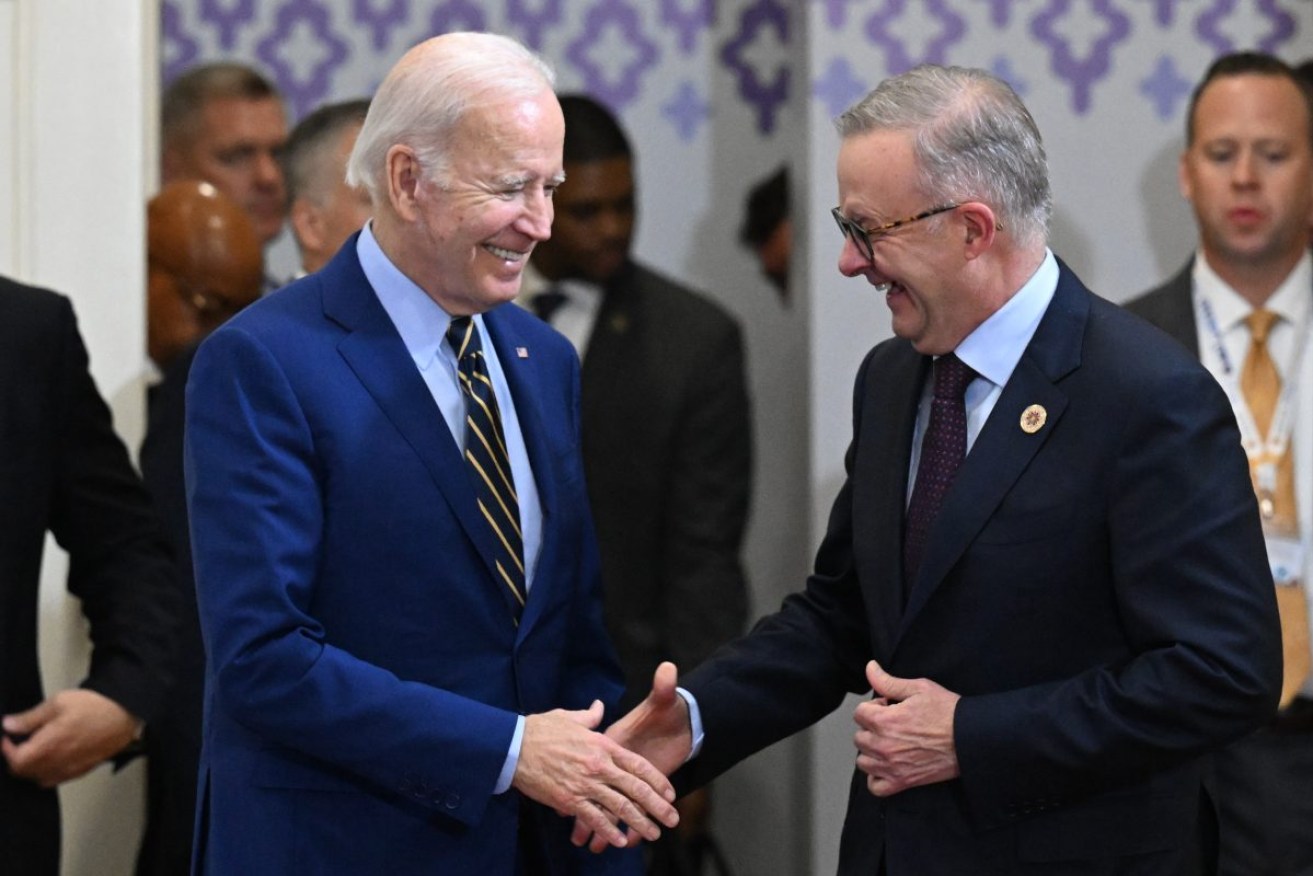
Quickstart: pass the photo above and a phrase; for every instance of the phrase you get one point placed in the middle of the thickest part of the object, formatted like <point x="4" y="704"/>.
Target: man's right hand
<point x="658" y="729"/>
<point x="568" y="766"/>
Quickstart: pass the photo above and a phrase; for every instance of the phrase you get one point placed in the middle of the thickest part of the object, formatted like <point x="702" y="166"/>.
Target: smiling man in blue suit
<point x="395" y="564"/>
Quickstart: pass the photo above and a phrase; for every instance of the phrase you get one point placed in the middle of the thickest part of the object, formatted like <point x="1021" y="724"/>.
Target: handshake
<point x="614" y="784"/>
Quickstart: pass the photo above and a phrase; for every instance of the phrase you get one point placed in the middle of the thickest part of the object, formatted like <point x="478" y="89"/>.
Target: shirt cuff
<point x="694" y="721"/>
<point x="512" y="759"/>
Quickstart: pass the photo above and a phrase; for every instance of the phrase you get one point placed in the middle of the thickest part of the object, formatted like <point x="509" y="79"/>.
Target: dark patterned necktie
<point x="490" y="464"/>
<point x="943" y="448"/>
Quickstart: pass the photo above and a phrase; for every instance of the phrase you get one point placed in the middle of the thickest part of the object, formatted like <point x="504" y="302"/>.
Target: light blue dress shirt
<point x="422" y="324"/>
<point x="992" y="350"/>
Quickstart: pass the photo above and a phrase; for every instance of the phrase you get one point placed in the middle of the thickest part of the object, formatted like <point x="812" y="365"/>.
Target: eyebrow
<point x="515" y="180"/>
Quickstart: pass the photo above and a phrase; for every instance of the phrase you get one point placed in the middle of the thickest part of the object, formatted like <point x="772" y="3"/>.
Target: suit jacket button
<point x="452" y="801"/>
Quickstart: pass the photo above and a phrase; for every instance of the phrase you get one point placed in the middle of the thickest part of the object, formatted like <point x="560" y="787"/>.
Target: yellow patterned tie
<point x="1261" y="385"/>
<point x="490" y="465"/>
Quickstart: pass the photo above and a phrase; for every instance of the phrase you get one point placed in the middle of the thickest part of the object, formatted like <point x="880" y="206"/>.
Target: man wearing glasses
<point x="1045" y="561"/>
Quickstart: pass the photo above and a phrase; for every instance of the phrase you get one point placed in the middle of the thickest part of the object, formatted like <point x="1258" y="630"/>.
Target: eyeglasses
<point x="863" y="237"/>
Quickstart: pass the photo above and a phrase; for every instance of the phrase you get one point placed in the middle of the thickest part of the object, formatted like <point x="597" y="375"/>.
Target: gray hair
<point x="974" y="141"/>
<point x="427" y="93"/>
<point x="308" y="156"/>
<point x="186" y="96"/>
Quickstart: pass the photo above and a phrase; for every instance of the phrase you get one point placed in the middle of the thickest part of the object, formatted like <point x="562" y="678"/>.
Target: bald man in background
<point x="205" y="264"/>
<point x="322" y="209"/>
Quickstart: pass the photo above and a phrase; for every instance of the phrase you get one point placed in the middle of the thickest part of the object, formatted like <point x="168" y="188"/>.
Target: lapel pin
<point x="522" y="352"/>
<point x="1033" y="418"/>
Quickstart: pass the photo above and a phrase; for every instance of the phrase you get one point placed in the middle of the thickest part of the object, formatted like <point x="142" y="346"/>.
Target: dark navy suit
<point x="1096" y="591"/>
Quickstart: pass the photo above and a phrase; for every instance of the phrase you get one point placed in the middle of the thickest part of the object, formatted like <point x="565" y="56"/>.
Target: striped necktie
<point x="490" y="464"/>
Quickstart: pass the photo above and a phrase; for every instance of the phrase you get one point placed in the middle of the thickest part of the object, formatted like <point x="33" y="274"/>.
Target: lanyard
<point x="1259" y="447"/>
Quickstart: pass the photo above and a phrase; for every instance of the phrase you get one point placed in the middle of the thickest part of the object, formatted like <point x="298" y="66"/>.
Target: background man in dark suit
<point x="1247" y="171"/>
<point x="204" y="264"/>
<point x="666" y="425"/>
<point x="1046" y="559"/>
<point x="64" y="471"/>
<point x="395" y="565"/>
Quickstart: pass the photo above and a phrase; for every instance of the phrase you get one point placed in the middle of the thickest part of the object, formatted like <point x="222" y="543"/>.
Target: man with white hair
<point x="395" y="565"/>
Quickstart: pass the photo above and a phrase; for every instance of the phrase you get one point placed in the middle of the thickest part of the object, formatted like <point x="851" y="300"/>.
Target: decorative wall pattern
<point x="623" y="51"/>
<point x="619" y="50"/>
<point x="1082" y="39"/>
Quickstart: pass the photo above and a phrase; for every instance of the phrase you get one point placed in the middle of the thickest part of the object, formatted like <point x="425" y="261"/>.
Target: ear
<point x="980" y="225"/>
<point x="404" y="178"/>
<point x="307" y="224"/>
<point x="1183" y="177"/>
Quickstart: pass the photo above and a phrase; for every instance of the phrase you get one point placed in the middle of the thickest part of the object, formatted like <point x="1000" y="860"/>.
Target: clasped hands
<point x="905" y="739"/>
<point x="905" y="734"/>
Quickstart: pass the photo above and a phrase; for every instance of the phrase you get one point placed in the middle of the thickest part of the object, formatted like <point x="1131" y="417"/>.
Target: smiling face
<point x="465" y="237"/>
<point x="918" y="261"/>
<point x="1249" y="172"/>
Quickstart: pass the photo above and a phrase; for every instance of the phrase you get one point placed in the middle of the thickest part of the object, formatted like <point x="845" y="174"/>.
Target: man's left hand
<point x="66" y="736"/>
<point x="906" y="735"/>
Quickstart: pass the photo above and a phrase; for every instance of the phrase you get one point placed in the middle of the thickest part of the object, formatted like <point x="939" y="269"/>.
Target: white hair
<point x="425" y="95"/>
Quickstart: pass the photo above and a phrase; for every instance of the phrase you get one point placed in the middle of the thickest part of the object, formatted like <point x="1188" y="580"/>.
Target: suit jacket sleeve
<point x="119" y="565"/>
<point x="797" y="664"/>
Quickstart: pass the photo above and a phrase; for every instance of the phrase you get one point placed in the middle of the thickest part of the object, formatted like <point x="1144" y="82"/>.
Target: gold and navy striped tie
<point x="490" y="464"/>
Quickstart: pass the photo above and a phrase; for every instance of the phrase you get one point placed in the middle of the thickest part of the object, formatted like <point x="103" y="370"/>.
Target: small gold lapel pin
<point x="1033" y="419"/>
<point x="522" y="352"/>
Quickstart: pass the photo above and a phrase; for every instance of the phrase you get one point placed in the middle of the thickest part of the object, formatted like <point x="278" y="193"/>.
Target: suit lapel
<point x="604" y="358"/>
<point x="1178" y="312"/>
<point x="1003" y="449"/>
<point x="887" y="424"/>
<point x="376" y="354"/>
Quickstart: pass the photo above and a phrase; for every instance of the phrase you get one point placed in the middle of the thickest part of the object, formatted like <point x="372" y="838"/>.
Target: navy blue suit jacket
<point x="1097" y="592"/>
<point x="364" y="673"/>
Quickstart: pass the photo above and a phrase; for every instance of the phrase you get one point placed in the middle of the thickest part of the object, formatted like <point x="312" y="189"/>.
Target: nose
<point x="614" y="224"/>
<point x="536" y="219"/>
<point x="268" y="171"/>
<point x="852" y="261"/>
<point x="1243" y="172"/>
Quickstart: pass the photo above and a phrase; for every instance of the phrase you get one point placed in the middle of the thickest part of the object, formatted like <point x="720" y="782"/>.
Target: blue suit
<point x="364" y="672"/>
